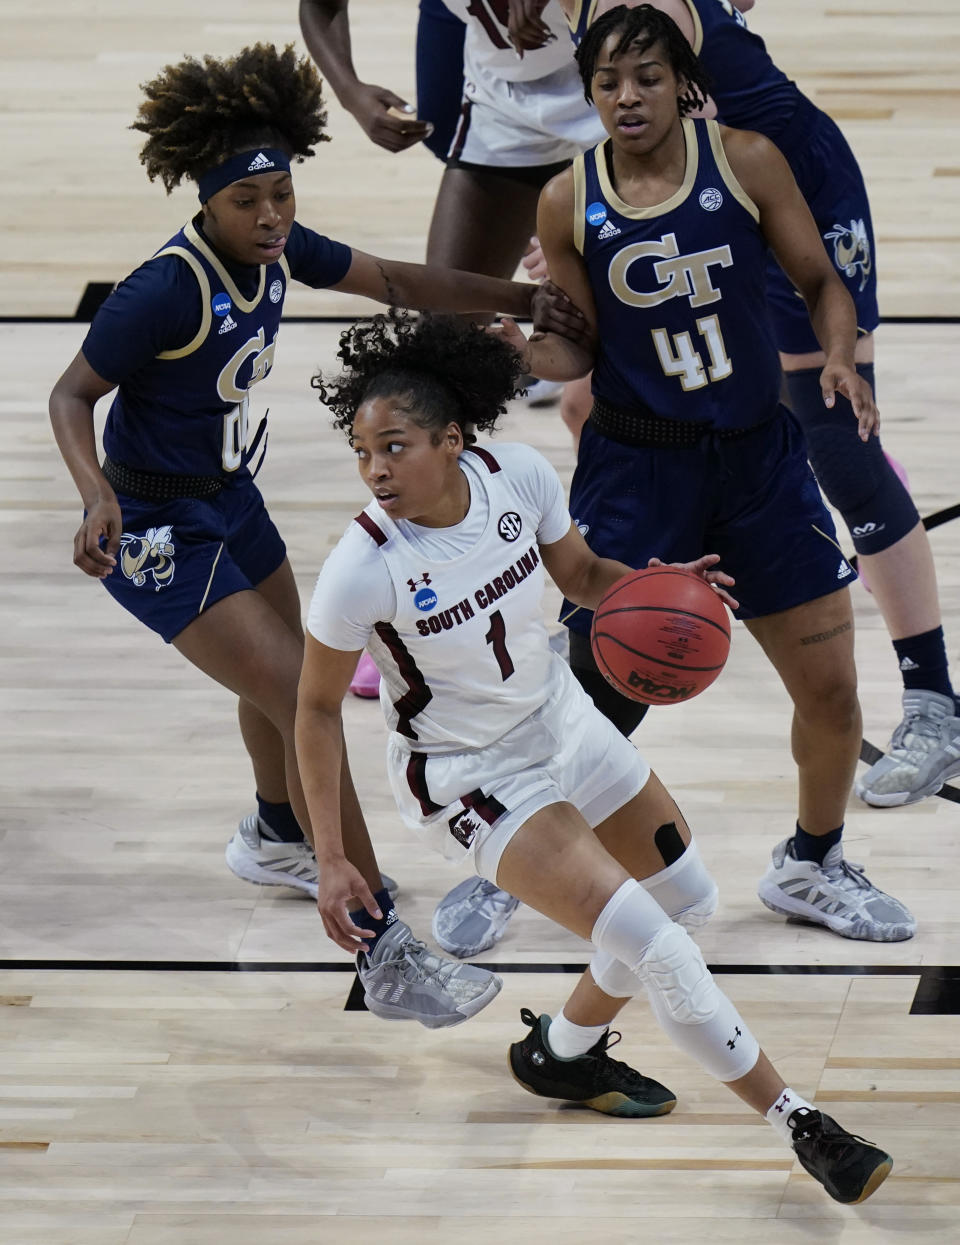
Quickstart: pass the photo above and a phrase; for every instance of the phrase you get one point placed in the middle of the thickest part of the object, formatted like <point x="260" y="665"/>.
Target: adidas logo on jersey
<point x="845" y="568"/>
<point x="609" y="230"/>
<point x="259" y="163"/>
<point x="228" y="324"/>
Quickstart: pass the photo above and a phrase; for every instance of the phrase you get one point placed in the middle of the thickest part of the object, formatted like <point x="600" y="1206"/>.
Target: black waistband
<point x="641" y="427"/>
<point x="158" y="485"/>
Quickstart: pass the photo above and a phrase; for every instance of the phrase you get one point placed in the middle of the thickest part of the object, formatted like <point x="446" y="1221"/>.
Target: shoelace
<point x="815" y="1131"/>
<point x="848" y="876"/>
<point x="611" y="1038"/>
<point x="919" y="725"/>
<point x="407" y="957"/>
<point x="490" y="890"/>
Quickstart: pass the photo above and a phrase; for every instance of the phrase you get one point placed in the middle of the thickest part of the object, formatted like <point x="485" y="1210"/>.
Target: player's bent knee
<point x="692" y="1010"/>
<point x="673" y="968"/>
<point x="856" y="476"/>
<point x="696" y="915"/>
<point x="685" y="890"/>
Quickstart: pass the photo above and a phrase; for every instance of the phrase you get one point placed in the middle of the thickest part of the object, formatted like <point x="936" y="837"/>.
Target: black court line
<point x="937" y="993"/>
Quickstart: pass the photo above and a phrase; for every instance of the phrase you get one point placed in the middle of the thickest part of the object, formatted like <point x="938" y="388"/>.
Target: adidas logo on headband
<point x="259" y="163"/>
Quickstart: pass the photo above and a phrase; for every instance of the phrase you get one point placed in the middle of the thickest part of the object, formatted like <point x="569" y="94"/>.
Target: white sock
<point x="568" y="1041"/>
<point x="782" y="1109"/>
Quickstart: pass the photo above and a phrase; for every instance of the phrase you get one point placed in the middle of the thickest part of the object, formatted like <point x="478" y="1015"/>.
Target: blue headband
<point x="259" y="160"/>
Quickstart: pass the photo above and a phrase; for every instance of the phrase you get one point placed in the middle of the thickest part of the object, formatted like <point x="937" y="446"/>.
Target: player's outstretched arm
<point x="324" y="680"/>
<point x="71" y="413"/>
<point x="789" y="228"/>
<point x="433" y="288"/>
<point x="325" y="25"/>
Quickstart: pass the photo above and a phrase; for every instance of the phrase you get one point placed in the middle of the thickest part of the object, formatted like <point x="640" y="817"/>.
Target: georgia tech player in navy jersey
<point x="174" y="525"/>
<point x="661" y="234"/>
<point x="497" y="757"/>
<point x="749" y="91"/>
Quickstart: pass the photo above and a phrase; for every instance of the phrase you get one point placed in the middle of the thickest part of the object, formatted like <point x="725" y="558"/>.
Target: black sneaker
<point x="849" y="1168"/>
<point x="593" y="1079"/>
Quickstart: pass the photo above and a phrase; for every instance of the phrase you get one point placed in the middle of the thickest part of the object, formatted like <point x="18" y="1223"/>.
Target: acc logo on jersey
<point x="151" y="554"/>
<point x="710" y="199"/>
<point x="509" y="526"/>
<point x="276" y="290"/>
<point x="851" y="250"/>
<point x="425" y="599"/>
<point x="221" y="304"/>
<point x="596" y="213"/>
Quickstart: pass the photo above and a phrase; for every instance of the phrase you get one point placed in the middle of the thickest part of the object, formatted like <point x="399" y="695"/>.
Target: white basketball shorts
<point x="523" y="124"/>
<point x="468" y="805"/>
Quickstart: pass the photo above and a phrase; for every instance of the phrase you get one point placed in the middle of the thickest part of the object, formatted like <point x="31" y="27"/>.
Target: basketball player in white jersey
<point x="523" y="118"/>
<point x="497" y="757"/>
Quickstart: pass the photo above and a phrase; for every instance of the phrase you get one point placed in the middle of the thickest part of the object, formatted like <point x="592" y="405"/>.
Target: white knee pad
<point x="692" y="1010"/>
<point x="696" y="1016"/>
<point x="613" y="977"/>
<point x="685" y="890"/>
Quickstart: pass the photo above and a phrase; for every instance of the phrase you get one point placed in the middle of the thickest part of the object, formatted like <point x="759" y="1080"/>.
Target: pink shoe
<point x="366" y="678"/>
<point x="901" y="473"/>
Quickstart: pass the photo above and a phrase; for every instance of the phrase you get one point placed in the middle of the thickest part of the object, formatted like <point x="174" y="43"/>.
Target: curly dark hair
<point x="197" y="114"/>
<point x="449" y="370"/>
<point x="644" y="26"/>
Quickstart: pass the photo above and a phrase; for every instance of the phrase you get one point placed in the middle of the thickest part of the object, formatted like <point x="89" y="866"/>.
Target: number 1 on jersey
<point x="497" y="636"/>
<point x="678" y="358"/>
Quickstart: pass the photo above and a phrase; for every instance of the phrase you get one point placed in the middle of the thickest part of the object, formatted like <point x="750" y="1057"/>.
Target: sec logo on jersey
<point x="509" y="526"/>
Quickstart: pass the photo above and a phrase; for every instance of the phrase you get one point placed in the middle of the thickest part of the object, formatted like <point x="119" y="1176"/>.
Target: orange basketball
<point x="660" y="635"/>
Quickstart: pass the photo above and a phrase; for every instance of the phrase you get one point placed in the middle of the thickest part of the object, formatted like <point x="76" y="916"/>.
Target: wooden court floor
<point x="182" y="1057"/>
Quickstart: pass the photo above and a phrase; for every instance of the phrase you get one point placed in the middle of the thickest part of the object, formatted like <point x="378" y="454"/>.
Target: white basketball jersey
<point x="466" y="656"/>
<point x="487" y="47"/>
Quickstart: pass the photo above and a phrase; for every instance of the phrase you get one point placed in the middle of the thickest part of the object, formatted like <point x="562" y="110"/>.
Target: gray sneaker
<point x="836" y="894"/>
<point x="472" y="917"/>
<point x="402" y="980"/>
<point x="268" y="863"/>
<point x="924" y="752"/>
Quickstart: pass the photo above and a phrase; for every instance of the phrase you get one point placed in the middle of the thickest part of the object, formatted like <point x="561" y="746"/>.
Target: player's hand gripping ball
<point x="660" y="635"/>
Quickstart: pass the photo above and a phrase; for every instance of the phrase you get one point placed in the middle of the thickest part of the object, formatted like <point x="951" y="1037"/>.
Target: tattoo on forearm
<point x="826" y="635"/>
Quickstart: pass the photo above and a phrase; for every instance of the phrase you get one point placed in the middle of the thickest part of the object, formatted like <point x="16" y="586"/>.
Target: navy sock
<point x="279" y="820"/>
<point x="361" y="917"/>
<point x="923" y="662"/>
<point x="814" y="846"/>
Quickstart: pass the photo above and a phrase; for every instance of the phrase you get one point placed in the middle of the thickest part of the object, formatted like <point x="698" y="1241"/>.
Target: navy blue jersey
<point x="680" y="290"/>
<point x="185" y="336"/>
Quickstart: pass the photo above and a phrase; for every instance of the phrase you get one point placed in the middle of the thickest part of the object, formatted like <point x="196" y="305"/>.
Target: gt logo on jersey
<point x="851" y="250"/>
<point x="680" y="276"/>
<point x="228" y="387"/>
<point x="151" y="554"/>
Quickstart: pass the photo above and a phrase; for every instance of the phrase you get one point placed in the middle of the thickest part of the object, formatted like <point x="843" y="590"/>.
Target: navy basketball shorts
<point x="439" y="73"/>
<point x="830" y="180"/>
<point x="178" y="558"/>
<point x="752" y="499"/>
